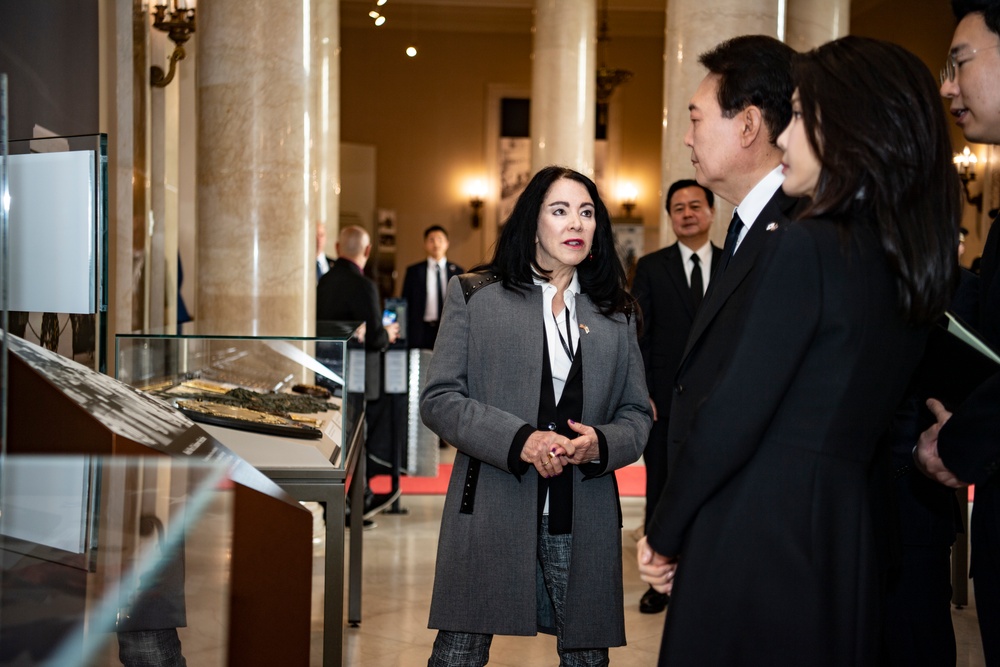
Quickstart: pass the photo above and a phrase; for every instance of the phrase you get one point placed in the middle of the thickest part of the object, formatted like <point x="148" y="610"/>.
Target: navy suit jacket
<point x="415" y="293"/>
<point x="664" y="296"/>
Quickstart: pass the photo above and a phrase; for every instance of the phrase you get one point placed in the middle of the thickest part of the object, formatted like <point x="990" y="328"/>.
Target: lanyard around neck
<point x="569" y="335"/>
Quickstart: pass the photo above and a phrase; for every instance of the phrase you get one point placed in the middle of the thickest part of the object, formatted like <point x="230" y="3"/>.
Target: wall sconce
<point x="965" y="163"/>
<point x="627" y="194"/>
<point x="477" y="192"/>
<point x="177" y="20"/>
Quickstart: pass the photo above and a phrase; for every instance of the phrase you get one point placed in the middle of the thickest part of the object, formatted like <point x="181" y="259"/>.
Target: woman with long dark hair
<point x="537" y="380"/>
<point x="764" y="533"/>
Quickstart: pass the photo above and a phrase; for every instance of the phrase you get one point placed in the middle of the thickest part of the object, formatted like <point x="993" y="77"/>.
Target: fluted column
<point x="693" y="27"/>
<point x="563" y="84"/>
<point x="815" y="22"/>
<point x="258" y="130"/>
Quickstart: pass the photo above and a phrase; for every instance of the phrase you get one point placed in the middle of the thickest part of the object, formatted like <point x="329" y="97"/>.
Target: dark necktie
<point x="697" y="284"/>
<point x="437" y="279"/>
<point x="735" y="227"/>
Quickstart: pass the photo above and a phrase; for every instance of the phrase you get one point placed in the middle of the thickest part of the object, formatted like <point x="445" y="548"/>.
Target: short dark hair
<point x="689" y="183"/>
<point x="754" y="70"/>
<point x="873" y="116"/>
<point x="990" y="9"/>
<point x="601" y="276"/>
<point x="435" y="228"/>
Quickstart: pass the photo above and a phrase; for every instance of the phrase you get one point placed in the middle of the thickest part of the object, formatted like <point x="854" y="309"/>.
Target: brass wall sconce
<point x="177" y="20"/>
<point x="476" y="203"/>
<point x="627" y="194"/>
<point x="476" y="191"/>
<point x="965" y="163"/>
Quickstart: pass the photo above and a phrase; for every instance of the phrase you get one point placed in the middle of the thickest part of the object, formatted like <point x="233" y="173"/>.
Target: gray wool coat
<point x="483" y="386"/>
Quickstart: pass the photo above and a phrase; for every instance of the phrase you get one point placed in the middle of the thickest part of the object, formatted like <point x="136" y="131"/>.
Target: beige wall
<point x="426" y="117"/>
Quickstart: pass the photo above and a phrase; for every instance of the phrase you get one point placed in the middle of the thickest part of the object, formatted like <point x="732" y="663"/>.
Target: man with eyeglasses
<point x="965" y="447"/>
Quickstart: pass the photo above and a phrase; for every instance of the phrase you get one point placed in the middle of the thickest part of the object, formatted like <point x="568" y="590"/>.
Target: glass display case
<point x="102" y="553"/>
<point x="252" y="394"/>
<point x="275" y="401"/>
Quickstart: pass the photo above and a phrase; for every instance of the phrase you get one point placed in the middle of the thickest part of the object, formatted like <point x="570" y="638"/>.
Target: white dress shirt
<point x="755" y="201"/>
<point x="435" y="269"/>
<point x="704" y="256"/>
<point x="556" y="330"/>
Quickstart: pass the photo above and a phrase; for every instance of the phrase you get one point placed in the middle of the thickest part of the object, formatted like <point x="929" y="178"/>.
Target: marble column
<point x="692" y="28"/>
<point x="815" y="22"/>
<point x="258" y="133"/>
<point x="563" y="84"/>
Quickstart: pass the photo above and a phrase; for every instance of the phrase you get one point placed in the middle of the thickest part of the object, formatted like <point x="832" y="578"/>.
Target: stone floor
<point x="398" y="571"/>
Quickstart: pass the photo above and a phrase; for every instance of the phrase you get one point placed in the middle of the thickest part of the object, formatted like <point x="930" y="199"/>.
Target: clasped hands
<point x="550" y="452"/>
<point x="655" y="569"/>
<point x="925" y="453"/>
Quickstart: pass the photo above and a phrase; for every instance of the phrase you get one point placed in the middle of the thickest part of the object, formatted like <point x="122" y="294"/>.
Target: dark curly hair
<point x="601" y="276"/>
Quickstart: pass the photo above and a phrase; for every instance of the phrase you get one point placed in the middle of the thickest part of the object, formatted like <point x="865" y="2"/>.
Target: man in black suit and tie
<point x="345" y="293"/>
<point x="669" y="285"/>
<point x="736" y="114"/>
<point x="424" y="288"/>
<point x="966" y="447"/>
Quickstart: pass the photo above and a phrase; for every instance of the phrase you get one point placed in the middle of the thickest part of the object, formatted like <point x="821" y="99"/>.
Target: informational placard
<point x="52" y="231"/>
<point x="395" y="372"/>
<point x="356" y="370"/>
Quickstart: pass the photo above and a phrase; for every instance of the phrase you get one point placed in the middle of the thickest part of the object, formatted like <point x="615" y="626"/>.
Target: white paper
<point x="52" y="233"/>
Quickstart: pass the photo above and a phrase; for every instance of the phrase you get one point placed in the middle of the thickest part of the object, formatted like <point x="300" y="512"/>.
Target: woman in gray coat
<point x="537" y="380"/>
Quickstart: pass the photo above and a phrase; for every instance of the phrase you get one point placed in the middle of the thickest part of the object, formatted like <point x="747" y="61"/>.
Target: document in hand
<point x="956" y="361"/>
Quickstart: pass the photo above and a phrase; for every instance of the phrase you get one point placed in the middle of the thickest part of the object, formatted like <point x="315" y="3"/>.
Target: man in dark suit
<point x="969" y="443"/>
<point x="424" y="288"/>
<point x="669" y="285"/>
<point x="737" y="113"/>
<point x="345" y="293"/>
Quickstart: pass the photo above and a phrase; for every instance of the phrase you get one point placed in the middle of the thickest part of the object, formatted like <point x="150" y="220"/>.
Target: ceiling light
<point x="380" y="3"/>
<point x="374" y="14"/>
<point x="380" y="20"/>
<point x="411" y="51"/>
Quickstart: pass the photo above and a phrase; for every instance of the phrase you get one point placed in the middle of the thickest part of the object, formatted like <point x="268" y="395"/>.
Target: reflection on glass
<point x="138" y="561"/>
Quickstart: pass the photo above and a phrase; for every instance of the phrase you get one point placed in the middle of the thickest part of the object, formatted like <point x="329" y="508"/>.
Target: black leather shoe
<point x="652" y="602"/>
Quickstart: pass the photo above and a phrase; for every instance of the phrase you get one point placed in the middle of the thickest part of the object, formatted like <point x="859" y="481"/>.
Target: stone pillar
<point x="258" y="131"/>
<point x="815" y="22"/>
<point x="563" y="84"/>
<point x="692" y="28"/>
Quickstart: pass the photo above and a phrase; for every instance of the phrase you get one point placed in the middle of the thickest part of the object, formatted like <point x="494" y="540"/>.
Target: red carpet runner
<point x="631" y="482"/>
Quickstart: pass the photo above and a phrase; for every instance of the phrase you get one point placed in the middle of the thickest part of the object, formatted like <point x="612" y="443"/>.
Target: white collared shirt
<point x="559" y="361"/>
<point x="704" y="256"/>
<point x="431" y="307"/>
<point x="755" y="201"/>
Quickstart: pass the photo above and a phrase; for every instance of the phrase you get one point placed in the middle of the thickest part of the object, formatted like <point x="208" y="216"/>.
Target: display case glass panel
<point x="247" y="391"/>
<point x="132" y="552"/>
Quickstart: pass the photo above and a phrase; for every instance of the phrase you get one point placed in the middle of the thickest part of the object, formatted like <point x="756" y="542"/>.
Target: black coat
<point x="768" y="505"/>
<point x="719" y="322"/>
<point x="344" y="293"/>
<point x="667" y="308"/>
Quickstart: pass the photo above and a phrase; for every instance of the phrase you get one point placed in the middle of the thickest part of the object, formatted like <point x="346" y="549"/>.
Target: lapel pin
<point x="772" y="226"/>
<point x="585" y="328"/>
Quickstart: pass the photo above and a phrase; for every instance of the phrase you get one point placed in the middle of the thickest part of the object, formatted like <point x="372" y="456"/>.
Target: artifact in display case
<point x="305" y="388"/>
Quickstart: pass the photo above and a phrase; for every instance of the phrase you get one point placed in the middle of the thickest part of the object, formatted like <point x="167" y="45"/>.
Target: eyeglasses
<point x="950" y="69"/>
